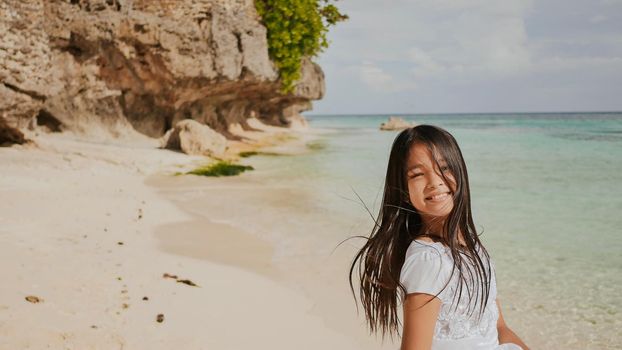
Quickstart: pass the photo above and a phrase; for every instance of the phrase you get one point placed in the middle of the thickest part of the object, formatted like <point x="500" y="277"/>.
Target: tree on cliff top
<point x="296" y="29"/>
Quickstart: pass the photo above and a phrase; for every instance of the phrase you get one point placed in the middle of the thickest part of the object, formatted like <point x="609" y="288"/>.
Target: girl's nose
<point x="435" y="180"/>
<point x="436" y="184"/>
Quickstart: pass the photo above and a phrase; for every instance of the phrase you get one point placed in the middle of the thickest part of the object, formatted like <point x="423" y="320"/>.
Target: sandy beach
<point x="111" y="112"/>
<point x="101" y="234"/>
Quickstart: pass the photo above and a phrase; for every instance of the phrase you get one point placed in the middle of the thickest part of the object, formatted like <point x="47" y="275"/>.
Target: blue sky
<point x="464" y="56"/>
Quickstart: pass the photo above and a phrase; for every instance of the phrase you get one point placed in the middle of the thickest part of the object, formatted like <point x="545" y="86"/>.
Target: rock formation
<point x="396" y="123"/>
<point x="121" y="66"/>
<point x="192" y="137"/>
<point x="10" y="135"/>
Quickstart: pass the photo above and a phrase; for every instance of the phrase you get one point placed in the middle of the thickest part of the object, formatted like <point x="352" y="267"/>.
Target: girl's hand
<point x="420" y="315"/>
<point x="506" y="335"/>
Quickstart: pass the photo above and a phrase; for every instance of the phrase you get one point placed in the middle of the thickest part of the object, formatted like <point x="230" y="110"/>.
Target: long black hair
<point x="380" y="260"/>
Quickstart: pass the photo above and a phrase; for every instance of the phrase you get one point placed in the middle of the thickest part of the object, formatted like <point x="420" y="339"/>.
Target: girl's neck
<point x="435" y="233"/>
<point x="432" y="227"/>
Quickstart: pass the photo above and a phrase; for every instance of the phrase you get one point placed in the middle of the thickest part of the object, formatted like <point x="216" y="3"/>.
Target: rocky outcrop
<point x="396" y="123"/>
<point x="140" y="65"/>
<point x="192" y="137"/>
<point x="9" y="135"/>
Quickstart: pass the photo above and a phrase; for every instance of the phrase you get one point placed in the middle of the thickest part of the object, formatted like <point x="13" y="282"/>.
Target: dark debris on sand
<point x="33" y="299"/>
<point x="179" y="280"/>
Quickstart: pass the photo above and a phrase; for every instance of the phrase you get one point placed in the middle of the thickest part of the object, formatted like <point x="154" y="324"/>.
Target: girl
<point x="425" y="253"/>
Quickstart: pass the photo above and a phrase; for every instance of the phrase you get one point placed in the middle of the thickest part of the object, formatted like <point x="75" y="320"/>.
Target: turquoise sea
<point x="546" y="193"/>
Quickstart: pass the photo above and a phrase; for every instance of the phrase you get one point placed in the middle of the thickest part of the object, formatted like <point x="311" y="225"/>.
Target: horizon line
<point x="457" y="113"/>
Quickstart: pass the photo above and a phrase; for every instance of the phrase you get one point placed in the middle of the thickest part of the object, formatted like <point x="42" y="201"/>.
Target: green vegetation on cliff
<point x="296" y="29"/>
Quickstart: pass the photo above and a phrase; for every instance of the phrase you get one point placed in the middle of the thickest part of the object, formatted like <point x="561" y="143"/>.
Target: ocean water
<point x="546" y="193"/>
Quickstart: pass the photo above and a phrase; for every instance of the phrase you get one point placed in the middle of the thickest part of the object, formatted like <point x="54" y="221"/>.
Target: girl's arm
<point x="506" y="335"/>
<point x="420" y="315"/>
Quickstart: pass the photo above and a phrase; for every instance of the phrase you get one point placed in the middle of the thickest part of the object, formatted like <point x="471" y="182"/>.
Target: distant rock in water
<point x="396" y="123"/>
<point x="192" y="137"/>
<point x="124" y="67"/>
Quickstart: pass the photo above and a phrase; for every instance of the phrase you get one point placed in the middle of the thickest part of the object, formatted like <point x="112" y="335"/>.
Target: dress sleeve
<point x="425" y="271"/>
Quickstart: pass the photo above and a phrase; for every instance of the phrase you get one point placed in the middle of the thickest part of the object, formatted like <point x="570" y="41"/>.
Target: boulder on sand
<point x="396" y="123"/>
<point x="192" y="137"/>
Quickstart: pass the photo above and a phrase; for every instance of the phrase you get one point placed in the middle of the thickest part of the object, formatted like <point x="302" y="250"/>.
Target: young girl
<point x="425" y="254"/>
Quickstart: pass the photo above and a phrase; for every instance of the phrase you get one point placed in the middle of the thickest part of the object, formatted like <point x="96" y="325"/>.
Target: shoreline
<point x="216" y="245"/>
<point x="312" y="266"/>
<point x="86" y="231"/>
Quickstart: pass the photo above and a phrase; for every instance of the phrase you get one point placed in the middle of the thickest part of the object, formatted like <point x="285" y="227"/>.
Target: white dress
<point x="427" y="267"/>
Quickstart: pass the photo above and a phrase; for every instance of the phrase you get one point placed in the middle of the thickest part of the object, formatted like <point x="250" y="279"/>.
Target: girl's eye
<point x="443" y="168"/>
<point x="415" y="175"/>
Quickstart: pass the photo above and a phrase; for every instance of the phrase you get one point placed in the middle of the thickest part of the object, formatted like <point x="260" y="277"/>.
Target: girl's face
<point x="427" y="190"/>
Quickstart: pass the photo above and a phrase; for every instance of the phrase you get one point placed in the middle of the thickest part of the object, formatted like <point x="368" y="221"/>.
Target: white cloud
<point x="379" y="80"/>
<point x="475" y="39"/>
<point x="373" y="76"/>
<point x="425" y="64"/>
<point x="491" y="7"/>
<point x="441" y="54"/>
<point x="598" y="18"/>
<point x="570" y="64"/>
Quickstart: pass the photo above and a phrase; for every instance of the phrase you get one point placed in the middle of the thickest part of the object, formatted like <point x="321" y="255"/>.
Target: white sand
<point x="64" y="208"/>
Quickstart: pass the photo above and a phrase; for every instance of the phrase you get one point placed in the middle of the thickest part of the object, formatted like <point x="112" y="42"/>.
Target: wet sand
<point x="91" y="229"/>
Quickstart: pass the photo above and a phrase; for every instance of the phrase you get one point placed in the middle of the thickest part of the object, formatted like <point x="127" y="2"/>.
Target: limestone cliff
<point x="115" y="66"/>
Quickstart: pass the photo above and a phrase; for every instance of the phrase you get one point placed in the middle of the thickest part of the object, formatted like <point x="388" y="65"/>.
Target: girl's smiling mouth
<point x="438" y="197"/>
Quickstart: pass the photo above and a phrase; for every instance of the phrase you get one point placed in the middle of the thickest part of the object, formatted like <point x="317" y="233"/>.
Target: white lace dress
<point x="427" y="267"/>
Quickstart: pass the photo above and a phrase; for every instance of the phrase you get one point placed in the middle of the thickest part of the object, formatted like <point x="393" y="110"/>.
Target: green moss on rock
<point x="220" y="168"/>
<point x="248" y="154"/>
<point x="258" y="153"/>
<point x="316" y="145"/>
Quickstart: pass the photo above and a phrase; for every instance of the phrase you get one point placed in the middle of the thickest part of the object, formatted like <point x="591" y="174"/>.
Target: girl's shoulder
<point x="419" y="246"/>
<point x="437" y="253"/>
<point x="427" y="250"/>
<point x="427" y="268"/>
